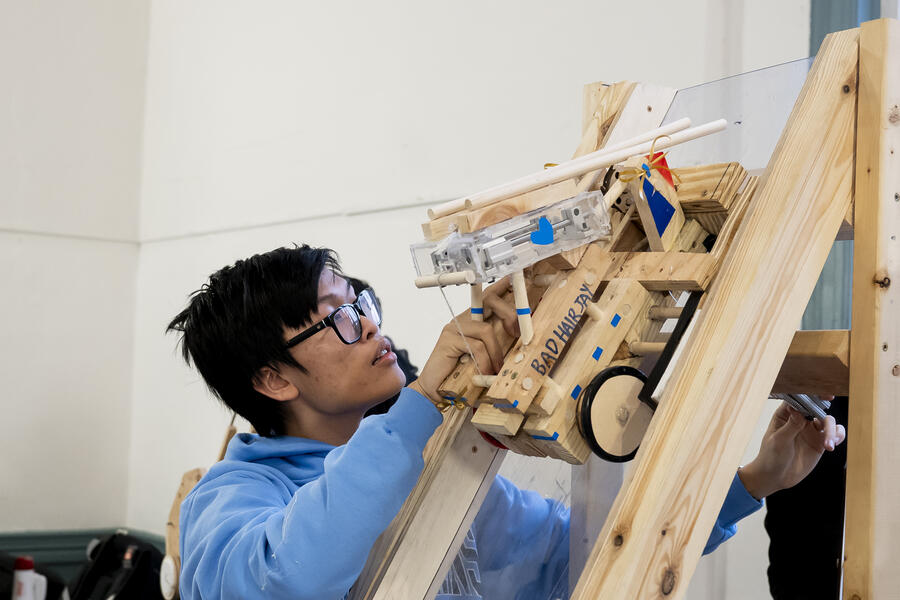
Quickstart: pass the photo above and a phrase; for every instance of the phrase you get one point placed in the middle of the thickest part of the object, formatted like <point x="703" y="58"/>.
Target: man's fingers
<point x="829" y="431"/>
<point x="482" y="358"/>
<point x="498" y="288"/>
<point x="505" y="312"/>
<point x="483" y="332"/>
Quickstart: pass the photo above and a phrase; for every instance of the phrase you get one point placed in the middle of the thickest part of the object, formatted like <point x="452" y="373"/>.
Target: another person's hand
<point x="479" y="337"/>
<point x="790" y="449"/>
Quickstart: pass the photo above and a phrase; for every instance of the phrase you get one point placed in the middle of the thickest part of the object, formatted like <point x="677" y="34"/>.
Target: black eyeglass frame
<point x="329" y="321"/>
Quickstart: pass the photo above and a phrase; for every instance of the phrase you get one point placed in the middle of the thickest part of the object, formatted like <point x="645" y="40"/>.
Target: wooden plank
<point x="657" y="194"/>
<point x="662" y="271"/>
<point x="412" y="556"/>
<point x="661" y="519"/>
<point x="873" y="453"/>
<point x="817" y="362"/>
<point x="645" y="110"/>
<point x="602" y="106"/>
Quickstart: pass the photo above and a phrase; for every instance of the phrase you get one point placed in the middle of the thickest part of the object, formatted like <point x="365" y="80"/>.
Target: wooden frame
<point x="653" y="538"/>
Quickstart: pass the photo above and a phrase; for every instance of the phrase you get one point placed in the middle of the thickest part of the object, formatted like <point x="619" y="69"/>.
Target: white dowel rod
<point x="448" y="208"/>
<point x="575" y="168"/>
<point x="458" y="278"/>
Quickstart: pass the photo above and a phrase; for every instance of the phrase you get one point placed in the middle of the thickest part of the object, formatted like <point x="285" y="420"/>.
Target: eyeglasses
<point x="345" y="320"/>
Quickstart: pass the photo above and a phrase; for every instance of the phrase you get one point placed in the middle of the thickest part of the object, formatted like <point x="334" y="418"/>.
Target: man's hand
<point x="790" y="449"/>
<point x="480" y="338"/>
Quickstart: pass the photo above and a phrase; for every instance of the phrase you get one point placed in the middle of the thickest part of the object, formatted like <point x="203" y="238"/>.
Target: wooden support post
<point x="872" y="525"/>
<point x="661" y="519"/>
<point x="520" y="293"/>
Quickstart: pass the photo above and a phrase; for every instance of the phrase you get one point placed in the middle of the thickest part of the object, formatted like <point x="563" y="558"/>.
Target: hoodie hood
<point x="300" y="459"/>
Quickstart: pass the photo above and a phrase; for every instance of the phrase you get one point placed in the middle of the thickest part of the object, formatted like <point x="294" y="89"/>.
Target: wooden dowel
<point x="483" y="381"/>
<point x="477" y="309"/>
<point x="661" y="313"/>
<point x="520" y="293"/>
<point x="590" y="162"/>
<point x="457" y="278"/>
<point x="645" y="348"/>
<point x="448" y="208"/>
<point x="593" y="311"/>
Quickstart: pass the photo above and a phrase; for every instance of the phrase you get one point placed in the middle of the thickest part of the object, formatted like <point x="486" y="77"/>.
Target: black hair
<point x="234" y="325"/>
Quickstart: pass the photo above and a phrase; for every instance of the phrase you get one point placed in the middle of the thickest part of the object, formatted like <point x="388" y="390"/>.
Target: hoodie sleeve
<point x="738" y="504"/>
<point x="523" y="539"/>
<point x="244" y="536"/>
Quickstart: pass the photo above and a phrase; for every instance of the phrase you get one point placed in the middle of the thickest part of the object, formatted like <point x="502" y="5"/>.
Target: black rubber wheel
<point x="586" y="402"/>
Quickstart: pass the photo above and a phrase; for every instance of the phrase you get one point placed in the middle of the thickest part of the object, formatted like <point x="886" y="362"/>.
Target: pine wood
<point x="873" y="447"/>
<point x="659" y="524"/>
<point x="817" y="362"/>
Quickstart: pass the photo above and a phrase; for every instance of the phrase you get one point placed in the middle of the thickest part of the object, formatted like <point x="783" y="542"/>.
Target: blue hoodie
<point x="288" y="517"/>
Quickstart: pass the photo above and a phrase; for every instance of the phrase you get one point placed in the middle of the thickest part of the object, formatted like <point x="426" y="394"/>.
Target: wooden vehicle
<point x="582" y="378"/>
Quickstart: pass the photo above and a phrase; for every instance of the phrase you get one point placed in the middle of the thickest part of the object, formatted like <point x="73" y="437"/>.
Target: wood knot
<point x="846" y="89"/>
<point x="668" y="582"/>
<point x="618" y="540"/>
<point x="894" y="115"/>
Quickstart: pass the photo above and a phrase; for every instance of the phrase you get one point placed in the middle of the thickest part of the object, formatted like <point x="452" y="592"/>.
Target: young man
<point x="284" y="340"/>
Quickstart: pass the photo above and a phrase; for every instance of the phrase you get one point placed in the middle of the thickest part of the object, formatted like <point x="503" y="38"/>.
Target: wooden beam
<point x="662" y="271"/>
<point x="411" y="558"/>
<point x="873" y="447"/>
<point x="817" y="362"/>
<point x="662" y="517"/>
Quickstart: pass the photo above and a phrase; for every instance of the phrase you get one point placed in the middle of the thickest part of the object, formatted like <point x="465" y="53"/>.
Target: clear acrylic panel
<point x="755" y="104"/>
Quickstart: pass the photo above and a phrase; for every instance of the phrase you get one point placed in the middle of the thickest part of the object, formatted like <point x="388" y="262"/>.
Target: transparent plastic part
<point x="757" y="106"/>
<point x="519" y="242"/>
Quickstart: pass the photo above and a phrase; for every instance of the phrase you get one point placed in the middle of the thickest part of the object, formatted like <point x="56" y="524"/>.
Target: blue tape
<point x="513" y="405"/>
<point x="597" y="353"/>
<point x="660" y="208"/>
<point x="615" y="320"/>
<point x="477" y="311"/>
<point x="523" y="311"/>
<point x="549" y="438"/>
<point x="576" y="391"/>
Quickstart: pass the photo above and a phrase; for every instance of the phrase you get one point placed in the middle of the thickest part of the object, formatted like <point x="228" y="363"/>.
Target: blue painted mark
<point x="597" y="353"/>
<point x="576" y="391"/>
<point x="454" y="398"/>
<point x="660" y="208"/>
<point x="615" y="320"/>
<point x="477" y="311"/>
<point x="544" y="234"/>
<point x="523" y="311"/>
<point x="549" y="438"/>
<point x="501" y="405"/>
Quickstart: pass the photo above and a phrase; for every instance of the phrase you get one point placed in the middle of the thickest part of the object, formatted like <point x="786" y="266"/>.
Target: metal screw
<point x="896" y="371"/>
<point x="618" y="540"/>
<point x="846" y="89"/>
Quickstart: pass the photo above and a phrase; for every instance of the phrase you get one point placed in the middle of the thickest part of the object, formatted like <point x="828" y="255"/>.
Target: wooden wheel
<point x="611" y="417"/>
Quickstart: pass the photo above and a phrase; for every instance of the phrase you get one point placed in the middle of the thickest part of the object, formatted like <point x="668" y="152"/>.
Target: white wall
<point x="70" y="142"/>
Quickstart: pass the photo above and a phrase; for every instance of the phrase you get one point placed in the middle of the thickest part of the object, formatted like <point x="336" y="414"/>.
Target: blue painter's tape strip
<point x="660" y="208"/>
<point x="449" y="397"/>
<point x="523" y="311"/>
<point x="549" y="438"/>
<point x="513" y="405"/>
<point x="576" y="391"/>
<point x="597" y="353"/>
<point x="615" y="320"/>
<point x="477" y="311"/>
